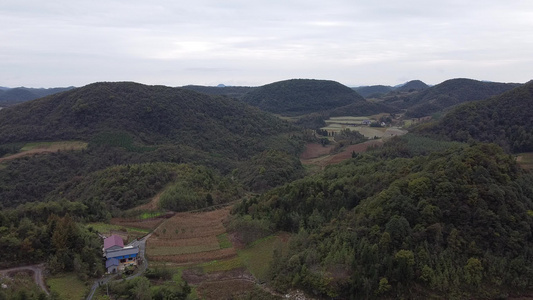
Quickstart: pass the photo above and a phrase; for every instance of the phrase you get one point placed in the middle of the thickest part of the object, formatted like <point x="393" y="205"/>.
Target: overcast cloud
<point x="207" y="42"/>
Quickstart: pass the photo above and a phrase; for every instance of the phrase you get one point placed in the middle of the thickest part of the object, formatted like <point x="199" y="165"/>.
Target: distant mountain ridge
<point x="506" y="119"/>
<point x="373" y="91"/>
<point x="447" y="94"/>
<point x="304" y="96"/>
<point x="10" y="96"/>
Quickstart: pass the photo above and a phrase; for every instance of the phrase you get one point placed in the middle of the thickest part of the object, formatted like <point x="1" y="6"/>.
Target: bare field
<point x="195" y="258"/>
<point x="324" y="161"/>
<point x="46" y="147"/>
<point x="313" y="150"/>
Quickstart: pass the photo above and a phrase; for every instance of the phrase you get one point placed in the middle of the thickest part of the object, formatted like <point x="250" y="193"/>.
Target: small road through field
<point x="37" y="274"/>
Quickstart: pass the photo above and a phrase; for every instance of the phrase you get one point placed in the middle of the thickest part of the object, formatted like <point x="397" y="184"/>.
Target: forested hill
<point x="150" y="115"/>
<point x="21" y="94"/>
<point x="453" y="224"/>
<point x="230" y="91"/>
<point x="506" y="119"/>
<point x="413" y="85"/>
<point x="302" y="96"/>
<point x="447" y="94"/>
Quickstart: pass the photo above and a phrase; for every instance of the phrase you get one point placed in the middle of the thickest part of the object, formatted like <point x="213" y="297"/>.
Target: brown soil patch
<point x="313" y="150"/>
<point x="152" y="205"/>
<point x="220" y="285"/>
<point x="344" y="155"/>
<point x="195" y="231"/>
<point x="195" y="258"/>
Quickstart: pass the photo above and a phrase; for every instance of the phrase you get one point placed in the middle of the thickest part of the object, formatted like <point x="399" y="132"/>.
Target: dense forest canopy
<point x="129" y="123"/>
<point x="230" y="91"/>
<point x="390" y="224"/>
<point x="506" y="120"/>
<point x="301" y="96"/>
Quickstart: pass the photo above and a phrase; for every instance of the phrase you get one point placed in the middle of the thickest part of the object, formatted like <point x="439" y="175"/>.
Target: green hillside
<point x="301" y="96"/>
<point x="373" y="91"/>
<point x="230" y="91"/>
<point x="413" y="85"/>
<point x="506" y="119"/>
<point x="446" y="94"/>
<point x="129" y="123"/>
<point x="451" y="224"/>
<point x="149" y="115"/>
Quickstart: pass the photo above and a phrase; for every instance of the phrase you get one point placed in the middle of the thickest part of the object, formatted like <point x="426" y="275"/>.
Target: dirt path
<point x="37" y="271"/>
<point x="28" y="153"/>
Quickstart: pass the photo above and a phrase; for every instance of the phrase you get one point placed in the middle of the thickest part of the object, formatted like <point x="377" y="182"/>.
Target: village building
<point x="118" y="256"/>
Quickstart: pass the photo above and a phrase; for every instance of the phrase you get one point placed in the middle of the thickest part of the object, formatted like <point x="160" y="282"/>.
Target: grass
<point x="107" y="228"/>
<point x="224" y="241"/>
<point x="222" y="265"/>
<point x="63" y="145"/>
<point x="258" y="256"/>
<point x="149" y="215"/>
<point x="68" y="286"/>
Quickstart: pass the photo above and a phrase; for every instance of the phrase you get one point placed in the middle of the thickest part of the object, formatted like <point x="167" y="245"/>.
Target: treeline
<point x="506" y="120"/>
<point x="391" y="224"/>
<point x="64" y="244"/>
<point x="198" y="187"/>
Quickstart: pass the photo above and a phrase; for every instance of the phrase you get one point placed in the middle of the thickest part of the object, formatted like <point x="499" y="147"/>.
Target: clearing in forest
<point x="525" y="160"/>
<point x="46" y="147"/>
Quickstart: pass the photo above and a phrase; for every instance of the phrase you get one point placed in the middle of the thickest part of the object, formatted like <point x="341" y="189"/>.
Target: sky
<point x="250" y="43"/>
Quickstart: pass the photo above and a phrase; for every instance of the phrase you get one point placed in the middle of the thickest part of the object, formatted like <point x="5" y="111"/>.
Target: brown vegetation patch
<point x="190" y="238"/>
<point x="345" y="154"/>
<point x="313" y="150"/>
<point x="195" y="258"/>
<point x="220" y="285"/>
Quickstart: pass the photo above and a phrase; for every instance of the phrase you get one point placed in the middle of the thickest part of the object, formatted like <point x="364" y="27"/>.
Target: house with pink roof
<point x="118" y="256"/>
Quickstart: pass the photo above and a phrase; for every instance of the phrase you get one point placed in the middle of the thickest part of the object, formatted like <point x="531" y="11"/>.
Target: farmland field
<point x="46" y="147"/>
<point x="191" y="238"/>
<point x="67" y="286"/>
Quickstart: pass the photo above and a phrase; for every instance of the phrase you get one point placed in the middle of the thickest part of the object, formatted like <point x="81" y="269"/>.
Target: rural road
<point x="37" y="271"/>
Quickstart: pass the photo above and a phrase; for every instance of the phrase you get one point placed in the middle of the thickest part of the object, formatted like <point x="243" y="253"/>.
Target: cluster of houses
<point x="119" y="257"/>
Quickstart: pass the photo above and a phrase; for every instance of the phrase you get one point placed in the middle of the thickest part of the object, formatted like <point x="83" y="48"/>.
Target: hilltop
<point x="379" y="91"/>
<point x="413" y="85"/>
<point x="506" y="119"/>
<point x="151" y="115"/>
<point x="446" y="94"/>
<point x="302" y="96"/>
<point x="230" y="91"/>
